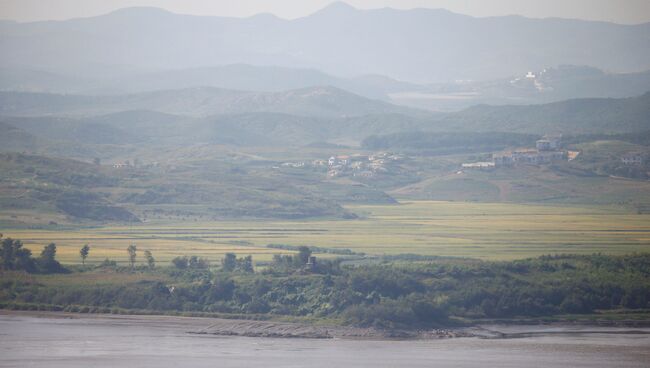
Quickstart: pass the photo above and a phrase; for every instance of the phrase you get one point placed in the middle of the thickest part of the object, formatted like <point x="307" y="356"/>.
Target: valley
<point x="489" y="231"/>
<point x="349" y="173"/>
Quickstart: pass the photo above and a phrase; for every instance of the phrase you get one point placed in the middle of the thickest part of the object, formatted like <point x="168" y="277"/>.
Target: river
<point x="30" y="340"/>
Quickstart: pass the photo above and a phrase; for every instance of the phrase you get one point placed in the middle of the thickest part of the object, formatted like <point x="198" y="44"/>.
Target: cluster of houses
<point x="361" y="165"/>
<point x="547" y="150"/>
<point x="134" y="164"/>
<point x="635" y="158"/>
<point x="355" y="165"/>
<point x="528" y="156"/>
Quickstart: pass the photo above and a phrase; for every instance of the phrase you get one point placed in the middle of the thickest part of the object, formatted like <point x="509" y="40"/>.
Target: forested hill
<point x="589" y="115"/>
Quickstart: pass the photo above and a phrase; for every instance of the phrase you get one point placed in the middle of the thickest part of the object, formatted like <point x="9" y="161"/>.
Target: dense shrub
<point x="412" y="294"/>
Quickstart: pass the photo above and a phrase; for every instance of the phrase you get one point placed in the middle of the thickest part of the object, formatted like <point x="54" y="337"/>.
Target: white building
<point x="632" y="159"/>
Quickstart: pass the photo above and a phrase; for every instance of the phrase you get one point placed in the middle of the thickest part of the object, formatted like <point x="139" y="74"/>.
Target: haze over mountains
<point x="420" y="45"/>
<point x="200" y="101"/>
<point x="240" y="116"/>
<point x="42" y="122"/>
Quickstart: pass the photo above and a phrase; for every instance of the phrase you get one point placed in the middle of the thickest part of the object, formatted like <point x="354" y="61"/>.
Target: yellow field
<point x="479" y="230"/>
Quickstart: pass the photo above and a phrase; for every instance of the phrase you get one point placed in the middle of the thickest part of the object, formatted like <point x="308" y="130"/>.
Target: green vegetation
<point x="494" y="231"/>
<point x="577" y="116"/>
<point x="640" y="138"/>
<point x="446" y="143"/>
<point x="193" y="262"/>
<point x="206" y="190"/>
<point x="241" y="214"/>
<point x="83" y="253"/>
<point x="413" y="294"/>
<point x="314" y="249"/>
<point x="603" y="158"/>
<point x="14" y="256"/>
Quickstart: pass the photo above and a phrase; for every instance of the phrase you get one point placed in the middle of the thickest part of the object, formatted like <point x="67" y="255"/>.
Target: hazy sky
<point x="620" y="11"/>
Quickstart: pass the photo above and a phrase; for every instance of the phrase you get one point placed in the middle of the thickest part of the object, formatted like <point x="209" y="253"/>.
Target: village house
<point x="543" y="145"/>
<point x="546" y="151"/>
<point x="503" y="160"/>
<point x="343" y="159"/>
<point x="478" y="165"/>
<point x="549" y="143"/>
<point x="359" y="165"/>
<point x="364" y="174"/>
<point x="633" y="159"/>
<point x="293" y="164"/>
<point x="529" y="157"/>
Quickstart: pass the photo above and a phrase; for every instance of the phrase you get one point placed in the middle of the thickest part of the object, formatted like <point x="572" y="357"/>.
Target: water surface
<point x="31" y="341"/>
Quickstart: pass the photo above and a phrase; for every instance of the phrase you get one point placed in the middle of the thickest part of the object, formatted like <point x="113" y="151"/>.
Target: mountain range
<point x="99" y="125"/>
<point x="421" y="45"/>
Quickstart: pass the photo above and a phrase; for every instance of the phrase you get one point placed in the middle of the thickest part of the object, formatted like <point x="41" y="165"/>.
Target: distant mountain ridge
<point x="421" y="45"/>
<point x="234" y="77"/>
<point x="576" y="116"/>
<point x="200" y="101"/>
<point x="49" y="121"/>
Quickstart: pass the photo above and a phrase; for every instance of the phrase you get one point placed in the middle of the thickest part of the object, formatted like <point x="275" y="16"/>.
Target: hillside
<point x="14" y="139"/>
<point x="551" y="84"/>
<point x="339" y="40"/>
<point x="445" y="143"/>
<point x="187" y="189"/>
<point x="51" y="185"/>
<point x="561" y="183"/>
<point x="242" y="77"/>
<point x="315" y="102"/>
<point x="104" y="134"/>
<point x="578" y="116"/>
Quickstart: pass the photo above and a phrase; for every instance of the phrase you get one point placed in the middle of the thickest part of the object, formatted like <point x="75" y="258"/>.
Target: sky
<point x="618" y="11"/>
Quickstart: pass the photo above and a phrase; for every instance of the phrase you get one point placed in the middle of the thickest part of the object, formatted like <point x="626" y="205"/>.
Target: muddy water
<point x="31" y="341"/>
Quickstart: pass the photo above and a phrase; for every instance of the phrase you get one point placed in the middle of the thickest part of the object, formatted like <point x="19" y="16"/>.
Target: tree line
<point x="14" y="256"/>
<point x="404" y="294"/>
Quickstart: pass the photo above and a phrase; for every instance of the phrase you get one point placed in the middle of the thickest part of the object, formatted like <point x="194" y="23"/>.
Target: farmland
<point x="477" y="230"/>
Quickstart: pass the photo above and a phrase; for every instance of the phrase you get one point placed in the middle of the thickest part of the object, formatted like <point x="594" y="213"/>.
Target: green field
<point x="478" y="230"/>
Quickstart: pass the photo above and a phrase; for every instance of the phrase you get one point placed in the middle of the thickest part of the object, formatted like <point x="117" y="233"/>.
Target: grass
<point x="478" y="230"/>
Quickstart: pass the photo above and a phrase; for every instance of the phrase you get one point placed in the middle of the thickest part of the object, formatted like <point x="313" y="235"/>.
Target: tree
<point x="83" y="253"/>
<point x="47" y="261"/>
<point x="151" y="262"/>
<point x="48" y="253"/>
<point x="8" y="256"/>
<point x="245" y="264"/>
<point x="24" y="259"/>
<point x="198" y="263"/>
<point x="192" y="262"/>
<point x="132" y="249"/>
<point x="303" y="255"/>
<point x="180" y="262"/>
<point x="229" y="262"/>
<point x="15" y="257"/>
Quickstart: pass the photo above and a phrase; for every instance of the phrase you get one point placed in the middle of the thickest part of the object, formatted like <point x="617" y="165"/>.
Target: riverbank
<point x="63" y="340"/>
<point x="248" y="328"/>
<point x="275" y="329"/>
